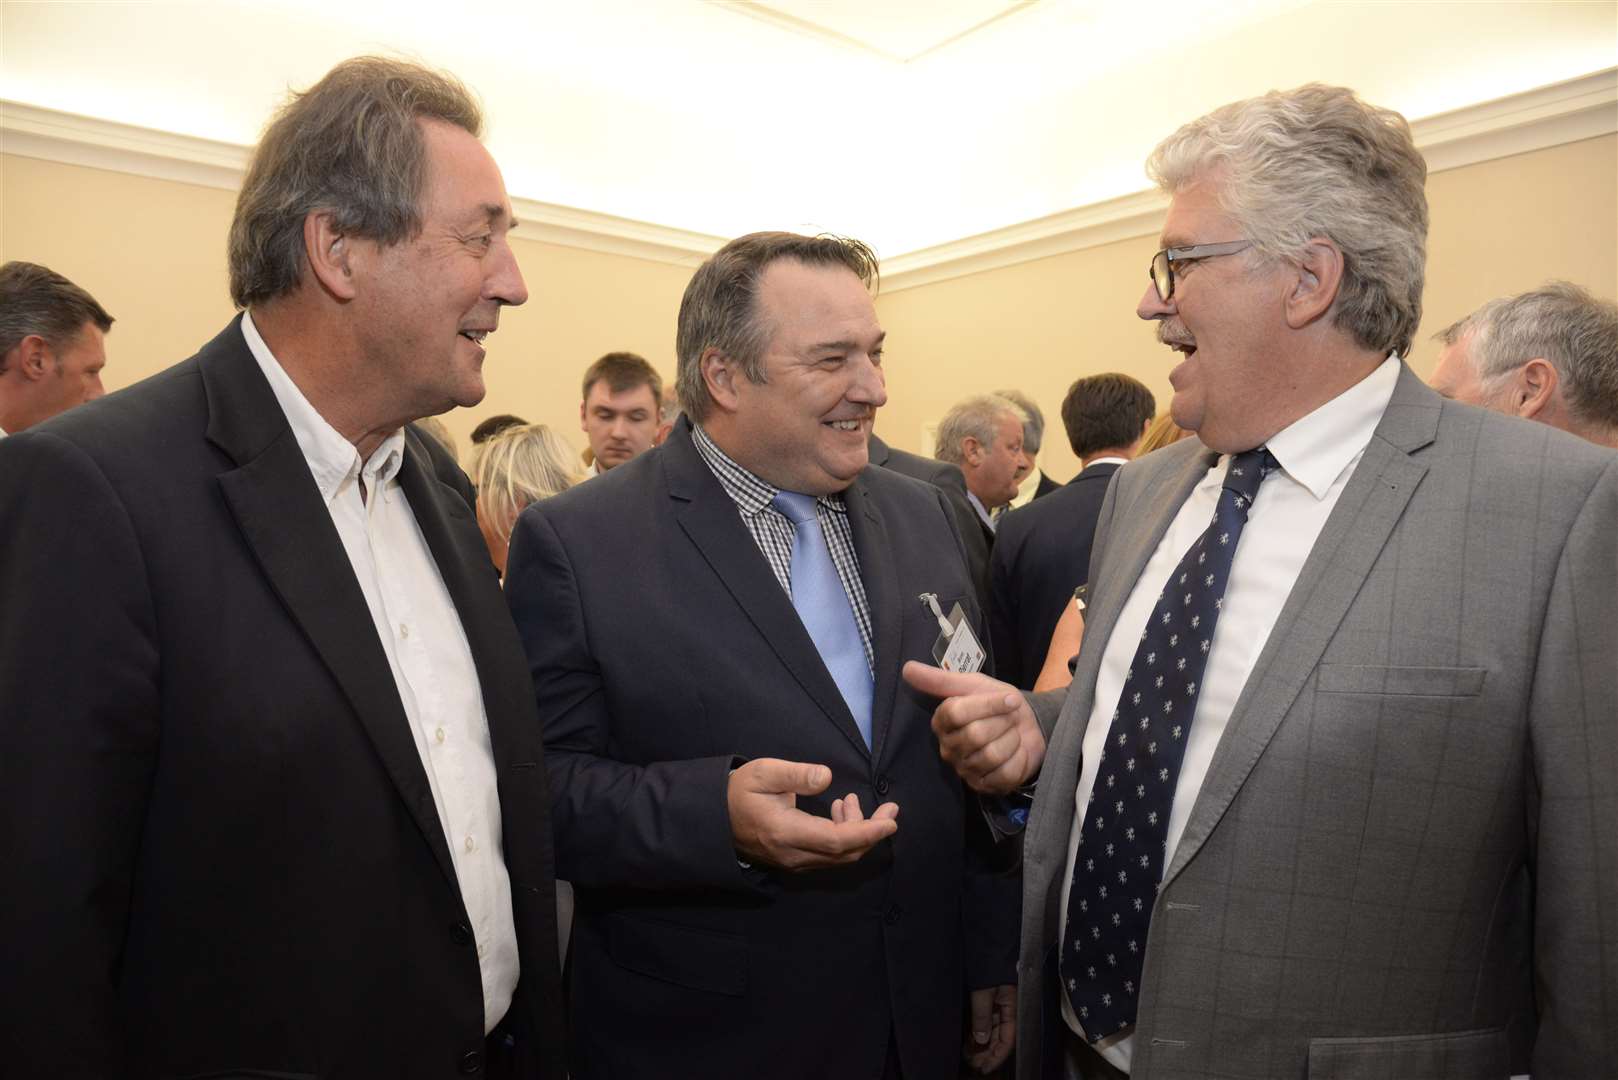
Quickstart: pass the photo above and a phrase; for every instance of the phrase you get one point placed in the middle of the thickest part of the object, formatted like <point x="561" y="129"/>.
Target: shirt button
<point x="404" y="630"/>
<point x="470" y="844"/>
<point x="438" y="733"/>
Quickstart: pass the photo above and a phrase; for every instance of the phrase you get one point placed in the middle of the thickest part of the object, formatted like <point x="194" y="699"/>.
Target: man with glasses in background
<point x="1348" y="669"/>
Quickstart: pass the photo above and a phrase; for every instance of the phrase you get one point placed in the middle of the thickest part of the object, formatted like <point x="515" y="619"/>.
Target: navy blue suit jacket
<point x="664" y="652"/>
<point x="1041" y="554"/>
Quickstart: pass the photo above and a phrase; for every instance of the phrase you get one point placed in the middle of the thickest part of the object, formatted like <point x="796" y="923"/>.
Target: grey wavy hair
<point x="1317" y="161"/>
<point x="975" y="417"/>
<point x="1575" y="331"/>
<point x="720" y="307"/>
<point x="351" y="144"/>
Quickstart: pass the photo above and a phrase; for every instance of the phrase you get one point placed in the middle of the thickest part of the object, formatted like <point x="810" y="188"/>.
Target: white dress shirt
<point x="432" y="664"/>
<point x="1317" y="455"/>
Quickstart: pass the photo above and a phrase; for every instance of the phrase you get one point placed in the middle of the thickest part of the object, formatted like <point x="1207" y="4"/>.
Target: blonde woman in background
<point x="521" y="465"/>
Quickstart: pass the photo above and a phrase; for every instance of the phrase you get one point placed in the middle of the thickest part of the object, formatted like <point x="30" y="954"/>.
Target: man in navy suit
<point x="1042" y="550"/>
<point x="715" y="633"/>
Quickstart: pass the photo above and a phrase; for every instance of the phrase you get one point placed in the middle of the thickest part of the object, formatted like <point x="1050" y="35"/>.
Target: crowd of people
<point x="1281" y="739"/>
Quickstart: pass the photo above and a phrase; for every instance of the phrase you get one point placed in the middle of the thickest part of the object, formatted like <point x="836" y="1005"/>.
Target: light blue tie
<point x="823" y="605"/>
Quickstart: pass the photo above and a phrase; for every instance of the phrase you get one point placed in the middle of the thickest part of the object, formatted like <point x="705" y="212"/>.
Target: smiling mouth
<point x="474" y="336"/>
<point x="846" y="425"/>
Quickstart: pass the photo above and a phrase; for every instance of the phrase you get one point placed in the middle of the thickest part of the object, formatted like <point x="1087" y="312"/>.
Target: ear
<point x="722" y="378"/>
<point x="971" y="449"/>
<point x="1533" y="388"/>
<point x="32" y="356"/>
<point x="1312" y="287"/>
<point x="329" y="252"/>
<point x="581" y="417"/>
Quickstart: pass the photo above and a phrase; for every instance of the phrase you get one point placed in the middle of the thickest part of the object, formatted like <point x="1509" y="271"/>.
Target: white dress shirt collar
<point x="1314" y="450"/>
<point x="333" y="460"/>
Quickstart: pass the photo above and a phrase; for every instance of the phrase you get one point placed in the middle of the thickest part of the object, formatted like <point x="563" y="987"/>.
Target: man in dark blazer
<point x="1350" y="650"/>
<point x="274" y="802"/>
<point x="948" y="479"/>
<point x="1042" y="550"/>
<point x="728" y="740"/>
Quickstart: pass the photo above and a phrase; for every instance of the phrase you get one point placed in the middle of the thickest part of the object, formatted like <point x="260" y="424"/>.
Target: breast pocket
<point x="1441" y="682"/>
<point x="1464" y="1055"/>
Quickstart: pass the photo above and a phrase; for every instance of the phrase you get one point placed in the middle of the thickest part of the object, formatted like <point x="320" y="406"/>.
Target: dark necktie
<point x="822" y="603"/>
<point x="1119" y="864"/>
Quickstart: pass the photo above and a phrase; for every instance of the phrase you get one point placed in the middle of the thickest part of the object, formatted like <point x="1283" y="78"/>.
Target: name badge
<point x="957" y="647"/>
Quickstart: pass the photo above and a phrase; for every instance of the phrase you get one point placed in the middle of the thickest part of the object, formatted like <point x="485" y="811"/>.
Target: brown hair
<point x="351" y="145"/>
<point x="720" y="307"/>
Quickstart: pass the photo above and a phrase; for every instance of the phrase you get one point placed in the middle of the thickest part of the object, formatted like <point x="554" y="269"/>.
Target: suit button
<point x="461" y="935"/>
<point x="893" y="913"/>
<point x="883" y="785"/>
<point x="471" y="1062"/>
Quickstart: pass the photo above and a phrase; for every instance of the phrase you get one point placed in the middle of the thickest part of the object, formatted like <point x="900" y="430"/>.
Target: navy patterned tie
<point x="1119" y="864"/>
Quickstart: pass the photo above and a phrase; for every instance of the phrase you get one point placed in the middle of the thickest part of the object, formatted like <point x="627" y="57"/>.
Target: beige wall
<point x="1499" y="227"/>
<point x="153" y="252"/>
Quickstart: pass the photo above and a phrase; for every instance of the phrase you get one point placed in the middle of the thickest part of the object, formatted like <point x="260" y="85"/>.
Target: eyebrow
<point x="844" y="346"/>
<point x="494" y="212"/>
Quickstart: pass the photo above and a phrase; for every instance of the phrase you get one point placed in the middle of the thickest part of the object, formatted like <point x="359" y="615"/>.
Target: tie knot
<point x="1247" y="470"/>
<point x="797" y="507"/>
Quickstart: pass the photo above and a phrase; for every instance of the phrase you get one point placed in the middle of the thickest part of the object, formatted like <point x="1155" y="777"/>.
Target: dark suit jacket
<point x="1047" y="486"/>
<point x="948" y="479"/>
<point x="1041" y="554"/>
<point x="664" y="652"/>
<point x="222" y="853"/>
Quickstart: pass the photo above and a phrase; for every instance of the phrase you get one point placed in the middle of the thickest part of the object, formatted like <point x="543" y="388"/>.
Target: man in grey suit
<point x="1310" y="748"/>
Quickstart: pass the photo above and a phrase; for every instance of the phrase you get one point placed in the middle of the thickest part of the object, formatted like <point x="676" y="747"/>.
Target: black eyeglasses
<point x="1162" y="268"/>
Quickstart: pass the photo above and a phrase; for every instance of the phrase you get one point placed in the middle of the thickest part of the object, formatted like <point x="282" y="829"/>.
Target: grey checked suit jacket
<point x="1435" y="709"/>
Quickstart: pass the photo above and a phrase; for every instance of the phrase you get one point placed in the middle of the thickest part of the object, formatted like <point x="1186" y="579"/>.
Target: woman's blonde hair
<point x="522" y="465"/>
<point x="1162" y="432"/>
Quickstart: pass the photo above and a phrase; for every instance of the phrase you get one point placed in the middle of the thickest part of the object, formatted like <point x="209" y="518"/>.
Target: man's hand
<point x="986" y="731"/>
<point x="769" y="828"/>
<point x="994" y="1028"/>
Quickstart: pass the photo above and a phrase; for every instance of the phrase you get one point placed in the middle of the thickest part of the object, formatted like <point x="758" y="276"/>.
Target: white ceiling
<point x="908" y="123"/>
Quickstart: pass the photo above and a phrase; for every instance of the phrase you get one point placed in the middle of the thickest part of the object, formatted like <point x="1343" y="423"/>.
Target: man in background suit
<point x="948" y="479"/>
<point x="52" y="345"/>
<point x="274" y="800"/>
<point x="983" y="437"/>
<point x="1550" y="354"/>
<point x="1348" y="669"/>
<point x="1042" y="550"/>
<point x="720" y="722"/>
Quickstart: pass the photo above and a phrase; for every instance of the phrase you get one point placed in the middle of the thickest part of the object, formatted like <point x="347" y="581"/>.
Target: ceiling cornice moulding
<point x="1564" y="112"/>
<point x="29" y="131"/>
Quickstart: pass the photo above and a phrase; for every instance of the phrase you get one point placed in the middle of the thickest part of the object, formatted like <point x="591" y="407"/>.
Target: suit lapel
<point x="708" y="517"/>
<point x="1348" y="546"/>
<point x="875" y="552"/>
<point x="289" y="530"/>
<point x="1134" y="532"/>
